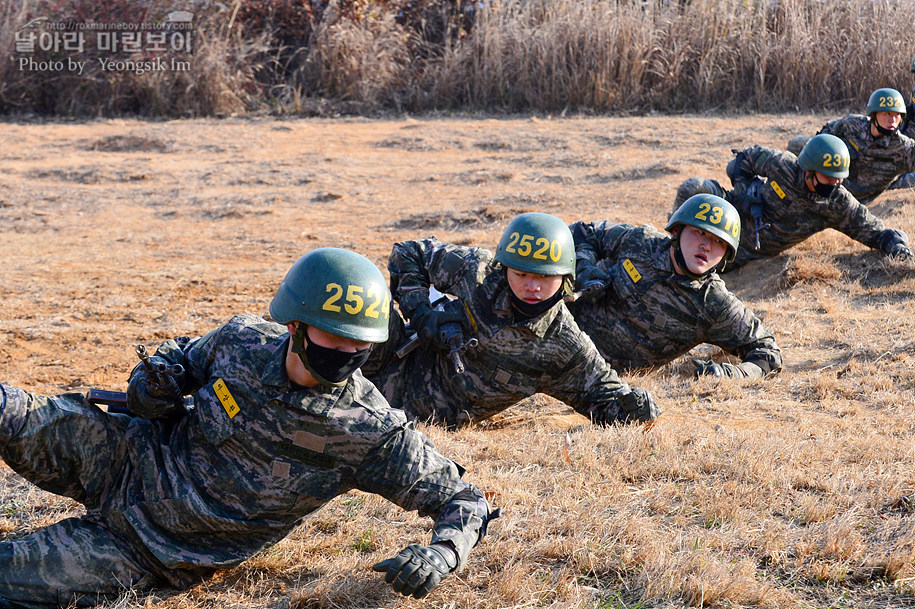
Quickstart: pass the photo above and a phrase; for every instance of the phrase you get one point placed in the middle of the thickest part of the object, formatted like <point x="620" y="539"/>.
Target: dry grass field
<point x="793" y="491"/>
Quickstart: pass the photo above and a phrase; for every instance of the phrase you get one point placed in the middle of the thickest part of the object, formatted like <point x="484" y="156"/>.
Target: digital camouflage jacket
<point x="876" y="162"/>
<point x="788" y="212"/>
<point x="650" y="314"/>
<point x="248" y="463"/>
<point x="515" y="358"/>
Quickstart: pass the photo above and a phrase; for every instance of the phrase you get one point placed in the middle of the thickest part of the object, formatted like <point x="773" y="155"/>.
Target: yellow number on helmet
<point x="336" y="292"/>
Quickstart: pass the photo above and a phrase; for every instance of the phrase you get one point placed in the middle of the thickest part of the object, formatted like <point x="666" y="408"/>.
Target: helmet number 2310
<point x="732" y="224"/>
<point x="836" y="160"/>
<point x="354" y="303"/>
<point x="539" y="248"/>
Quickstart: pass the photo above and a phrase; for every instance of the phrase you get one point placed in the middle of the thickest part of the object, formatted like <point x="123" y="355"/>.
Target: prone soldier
<point x="882" y="156"/>
<point x="908" y="125"/>
<point x="663" y="295"/>
<point x="527" y="340"/>
<point x="782" y="200"/>
<point x="282" y="423"/>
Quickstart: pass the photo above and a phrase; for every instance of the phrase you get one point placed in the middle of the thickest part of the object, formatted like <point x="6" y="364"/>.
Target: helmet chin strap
<point x="681" y="261"/>
<point x="880" y="128"/>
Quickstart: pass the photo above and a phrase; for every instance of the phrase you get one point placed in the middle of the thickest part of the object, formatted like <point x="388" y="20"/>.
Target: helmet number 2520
<point x="539" y="248"/>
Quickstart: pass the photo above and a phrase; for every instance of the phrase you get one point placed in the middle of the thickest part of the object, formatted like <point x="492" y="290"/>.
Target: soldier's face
<point x="889" y="120"/>
<point x="702" y="251"/>
<point x="531" y="287"/>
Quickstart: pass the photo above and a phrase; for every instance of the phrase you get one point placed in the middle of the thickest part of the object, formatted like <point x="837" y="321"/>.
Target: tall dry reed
<point x="519" y="55"/>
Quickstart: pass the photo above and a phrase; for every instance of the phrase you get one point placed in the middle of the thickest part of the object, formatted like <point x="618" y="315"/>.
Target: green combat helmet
<point x="337" y="291"/>
<point x="886" y="100"/>
<point x="537" y="243"/>
<point x="713" y="215"/>
<point x="826" y="154"/>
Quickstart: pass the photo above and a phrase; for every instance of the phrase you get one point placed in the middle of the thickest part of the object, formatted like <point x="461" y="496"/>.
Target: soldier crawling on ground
<point x="653" y="297"/>
<point x="282" y="423"/>
<point x="782" y="200"/>
<point x="512" y="304"/>
<point x="882" y="157"/>
<point x="908" y="125"/>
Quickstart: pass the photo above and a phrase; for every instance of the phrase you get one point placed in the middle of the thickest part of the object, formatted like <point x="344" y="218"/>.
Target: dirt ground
<point x="119" y="232"/>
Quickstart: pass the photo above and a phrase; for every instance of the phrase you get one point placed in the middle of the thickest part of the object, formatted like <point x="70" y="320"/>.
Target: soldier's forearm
<point x="463" y="522"/>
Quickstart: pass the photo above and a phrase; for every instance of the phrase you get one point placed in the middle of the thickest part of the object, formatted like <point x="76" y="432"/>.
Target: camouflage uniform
<point x="790" y="212"/>
<point x="169" y="502"/>
<point x="652" y="314"/>
<point x="515" y="358"/>
<point x="877" y="163"/>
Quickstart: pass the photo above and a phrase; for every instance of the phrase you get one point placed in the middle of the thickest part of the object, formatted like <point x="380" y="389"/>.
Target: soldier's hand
<point x="417" y="569"/>
<point x="427" y="323"/>
<point x="707" y="368"/>
<point x="730" y="371"/>
<point x="589" y="275"/>
<point x="152" y="400"/>
<point x="895" y="243"/>
<point x="901" y="252"/>
<point x="638" y="405"/>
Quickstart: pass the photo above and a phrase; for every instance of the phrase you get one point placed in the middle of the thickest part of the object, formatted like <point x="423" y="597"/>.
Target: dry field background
<point x="793" y="491"/>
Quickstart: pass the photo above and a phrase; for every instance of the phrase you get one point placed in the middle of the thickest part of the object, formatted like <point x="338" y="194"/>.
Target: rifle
<point x="593" y="288"/>
<point x="160" y="375"/>
<point x="756" y="212"/>
<point x="450" y="334"/>
<point x="114" y="401"/>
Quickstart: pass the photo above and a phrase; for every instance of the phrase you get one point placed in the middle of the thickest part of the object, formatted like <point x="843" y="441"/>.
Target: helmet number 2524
<point x="354" y="303"/>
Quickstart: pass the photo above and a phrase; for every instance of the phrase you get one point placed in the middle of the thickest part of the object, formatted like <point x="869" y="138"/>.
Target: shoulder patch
<point x="631" y="270"/>
<point x="225" y="398"/>
<point x="778" y="189"/>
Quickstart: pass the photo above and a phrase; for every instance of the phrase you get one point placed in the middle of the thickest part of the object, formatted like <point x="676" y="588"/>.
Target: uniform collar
<point x="274" y="373"/>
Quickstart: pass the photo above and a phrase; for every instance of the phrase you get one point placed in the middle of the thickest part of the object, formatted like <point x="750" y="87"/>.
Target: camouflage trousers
<point x="69" y="447"/>
<point x="906" y="180"/>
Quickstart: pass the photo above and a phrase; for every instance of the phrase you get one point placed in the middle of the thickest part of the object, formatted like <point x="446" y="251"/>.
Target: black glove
<point x="427" y="323"/>
<point x="730" y="371"/>
<point x="895" y="243"/>
<point x="900" y="250"/>
<point x="417" y="569"/>
<point x="640" y="406"/>
<point x="593" y="282"/>
<point x="707" y="368"/>
<point x="739" y="168"/>
<point x="590" y="273"/>
<point x="153" y="400"/>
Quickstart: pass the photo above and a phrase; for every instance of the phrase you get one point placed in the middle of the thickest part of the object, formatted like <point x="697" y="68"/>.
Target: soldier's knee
<point x="690" y="187"/>
<point x="796" y="144"/>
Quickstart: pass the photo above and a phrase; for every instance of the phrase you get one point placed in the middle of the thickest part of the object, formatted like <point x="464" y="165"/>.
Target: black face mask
<point x="824" y="190"/>
<point x="328" y="366"/>
<point x="529" y="310"/>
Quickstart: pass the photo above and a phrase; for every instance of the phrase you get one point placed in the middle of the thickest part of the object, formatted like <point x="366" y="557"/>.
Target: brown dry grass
<point x="794" y="491"/>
